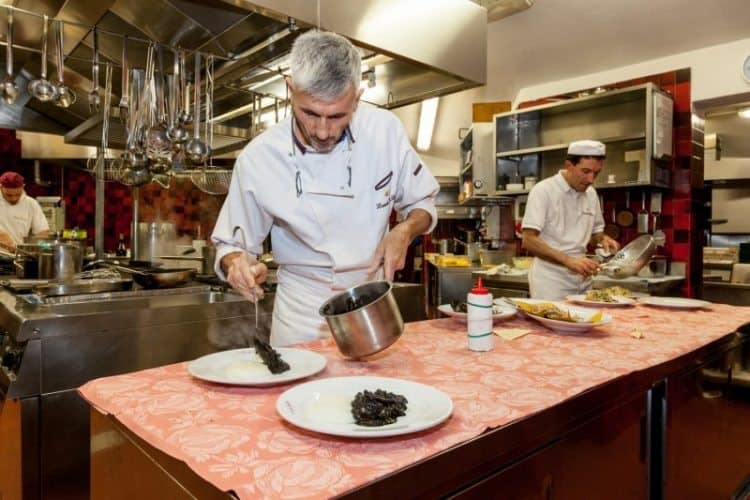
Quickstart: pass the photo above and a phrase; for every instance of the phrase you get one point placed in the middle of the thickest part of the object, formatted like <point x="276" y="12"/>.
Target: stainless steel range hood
<point x="412" y="50"/>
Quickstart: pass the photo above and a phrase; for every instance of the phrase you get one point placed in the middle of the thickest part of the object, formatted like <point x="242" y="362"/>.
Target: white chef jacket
<point x="565" y="219"/>
<point x="326" y="213"/>
<point x="23" y="218"/>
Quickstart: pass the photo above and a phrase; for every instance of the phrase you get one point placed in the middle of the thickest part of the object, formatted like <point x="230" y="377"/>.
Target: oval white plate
<point x="567" y="326"/>
<point x="674" y="302"/>
<point x="621" y="301"/>
<point x="244" y="367"/>
<point x="499" y="311"/>
<point x="324" y="406"/>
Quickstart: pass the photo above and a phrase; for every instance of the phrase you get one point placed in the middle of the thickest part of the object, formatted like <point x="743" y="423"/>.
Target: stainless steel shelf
<point x="555" y="147"/>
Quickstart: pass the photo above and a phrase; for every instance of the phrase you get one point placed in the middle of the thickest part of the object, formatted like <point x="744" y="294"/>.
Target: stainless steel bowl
<point x="364" y="319"/>
<point x="630" y="259"/>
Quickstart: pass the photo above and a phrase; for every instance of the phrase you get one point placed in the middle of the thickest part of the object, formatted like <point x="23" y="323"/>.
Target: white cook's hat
<point x="587" y="148"/>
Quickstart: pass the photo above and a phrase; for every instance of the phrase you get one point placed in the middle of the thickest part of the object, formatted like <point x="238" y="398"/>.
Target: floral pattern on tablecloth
<point x="233" y="437"/>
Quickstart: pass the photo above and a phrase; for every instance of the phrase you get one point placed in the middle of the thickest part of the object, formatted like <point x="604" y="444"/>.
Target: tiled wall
<point x="192" y="211"/>
<point x="683" y="213"/>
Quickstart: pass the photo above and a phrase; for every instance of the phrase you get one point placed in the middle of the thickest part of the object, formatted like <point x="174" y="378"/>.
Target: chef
<point x="20" y="214"/>
<point x="562" y="217"/>
<point x="323" y="183"/>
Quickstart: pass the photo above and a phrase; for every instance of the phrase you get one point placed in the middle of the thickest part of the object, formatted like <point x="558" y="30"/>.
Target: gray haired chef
<point x="562" y="217"/>
<point x="323" y="183"/>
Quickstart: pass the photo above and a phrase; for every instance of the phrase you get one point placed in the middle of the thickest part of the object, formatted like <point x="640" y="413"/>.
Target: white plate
<point x="244" y="367"/>
<point x="324" y="405"/>
<point x="499" y="311"/>
<point x="621" y="301"/>
<point x="674" y="302"/>
<point x="568" y="326"/>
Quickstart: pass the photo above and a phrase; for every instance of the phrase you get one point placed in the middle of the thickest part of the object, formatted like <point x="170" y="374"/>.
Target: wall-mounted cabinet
<point x="635" y="123"/>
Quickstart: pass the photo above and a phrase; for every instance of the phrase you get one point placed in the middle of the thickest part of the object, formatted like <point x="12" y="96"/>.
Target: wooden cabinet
<point x="707" y="434"/>
<point x="603" y="458"/>
<point x="635" y="123"/>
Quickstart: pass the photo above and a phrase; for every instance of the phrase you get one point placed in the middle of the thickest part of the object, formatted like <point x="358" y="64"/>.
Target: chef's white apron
<point x="299" y="296"/>
<point x="548" y="281"/>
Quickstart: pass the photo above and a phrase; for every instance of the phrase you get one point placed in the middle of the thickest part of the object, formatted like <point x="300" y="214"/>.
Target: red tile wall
<point x="683" y="217"/>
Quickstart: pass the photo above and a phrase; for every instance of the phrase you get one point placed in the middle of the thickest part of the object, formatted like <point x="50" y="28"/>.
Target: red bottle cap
<point x="479" y="290"/>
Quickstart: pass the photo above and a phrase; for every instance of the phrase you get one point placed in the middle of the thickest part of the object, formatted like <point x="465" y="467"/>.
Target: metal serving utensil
<point x="41" y="88"/>
<point x="244" y="247"/>
<point x="9" y="87"/>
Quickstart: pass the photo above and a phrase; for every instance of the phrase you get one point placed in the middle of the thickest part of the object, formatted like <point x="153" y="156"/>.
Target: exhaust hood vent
<point x="413" y="50"/>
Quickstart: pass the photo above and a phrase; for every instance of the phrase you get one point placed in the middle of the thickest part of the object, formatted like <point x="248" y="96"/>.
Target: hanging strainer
<point x="212" y="180"/>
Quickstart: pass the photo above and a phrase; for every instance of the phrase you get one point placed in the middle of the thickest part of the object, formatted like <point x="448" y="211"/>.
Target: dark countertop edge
<point x="724" y="284"/>
<point x="521" y="438"/>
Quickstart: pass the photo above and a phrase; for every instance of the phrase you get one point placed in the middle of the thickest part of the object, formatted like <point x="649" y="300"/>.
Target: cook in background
<point x="20" y="214"/>
<point x="323" y="183"/>
<point x="562" y="217"/>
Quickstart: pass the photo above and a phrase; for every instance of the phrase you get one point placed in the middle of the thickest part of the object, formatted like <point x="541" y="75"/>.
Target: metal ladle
<point x="195" y="150"/>
<point x="9" y="87"/>
<point x="41" y="88"/>
<point x="125" y="88"/>
<point x="176" y="131"/>
<point x="65" y="95"/>
<point x="94" y="98"/>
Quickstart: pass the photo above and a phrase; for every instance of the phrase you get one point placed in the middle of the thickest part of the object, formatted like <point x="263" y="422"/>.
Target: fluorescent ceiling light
<point x="427" y="116"/>
<point x="744" y="113"/>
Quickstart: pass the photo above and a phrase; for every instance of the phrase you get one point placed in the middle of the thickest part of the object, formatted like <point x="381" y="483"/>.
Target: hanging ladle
<point x="94" y="98"/>
<point x="9" y="87"/>
<point x="65" y="95"/>
<point x="125" y="88"/>
<point x="196" y="150"/>
<point x="176" y="131"/>
<point x="41" y="88"/>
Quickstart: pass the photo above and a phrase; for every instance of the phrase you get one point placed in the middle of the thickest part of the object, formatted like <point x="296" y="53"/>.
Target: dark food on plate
<point x="270" y="357"/>
<point x="373" y="409"/>
<point x="459" y="306"/>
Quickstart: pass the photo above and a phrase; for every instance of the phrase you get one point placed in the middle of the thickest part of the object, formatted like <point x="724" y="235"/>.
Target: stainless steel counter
<point x="50" y="349"/>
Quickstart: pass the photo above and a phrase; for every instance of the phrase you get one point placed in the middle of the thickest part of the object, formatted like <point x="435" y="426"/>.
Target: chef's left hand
<point x="391" y="252"/>
<point x="609" y="245"/>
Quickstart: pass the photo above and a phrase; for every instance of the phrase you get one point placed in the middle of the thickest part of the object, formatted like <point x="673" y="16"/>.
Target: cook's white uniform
<point x="326" y="212"/>
<point x="23" y="218"/>
<point x="565" y="219"/>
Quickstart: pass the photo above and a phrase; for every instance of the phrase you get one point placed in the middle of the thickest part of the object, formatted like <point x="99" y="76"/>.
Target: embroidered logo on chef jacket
<point x="387" y="197"/>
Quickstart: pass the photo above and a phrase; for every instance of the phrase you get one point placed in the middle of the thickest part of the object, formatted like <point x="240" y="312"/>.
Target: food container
<point x="495" y="257"/>
<point x="364" y="319"/>
<point x="522" y="262"/>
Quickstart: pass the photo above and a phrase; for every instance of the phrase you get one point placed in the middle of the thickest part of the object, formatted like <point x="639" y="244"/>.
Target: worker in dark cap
<point x="20" y="214"/>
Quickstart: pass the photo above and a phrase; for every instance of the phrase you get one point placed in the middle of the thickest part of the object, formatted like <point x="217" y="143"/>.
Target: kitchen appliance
<point x="53" y="208"/>
<point x="364" y="319"/>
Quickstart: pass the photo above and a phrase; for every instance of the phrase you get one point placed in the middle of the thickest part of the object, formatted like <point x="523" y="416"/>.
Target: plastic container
<point x="479" y="319"/>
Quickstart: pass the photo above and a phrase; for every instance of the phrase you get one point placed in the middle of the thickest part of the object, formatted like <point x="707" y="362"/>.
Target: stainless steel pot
<point x="364" y="319"/>
<point x="156" y="239"/>
<point x="60" y="261"/>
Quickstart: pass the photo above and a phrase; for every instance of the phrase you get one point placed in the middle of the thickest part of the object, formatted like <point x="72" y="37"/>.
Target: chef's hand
<point x="609" y="245"/>
<point x="582" y="265"/>
<point x="391" y="252"/>
<point x="244" y="274"/>
<point x="6" y="240"/>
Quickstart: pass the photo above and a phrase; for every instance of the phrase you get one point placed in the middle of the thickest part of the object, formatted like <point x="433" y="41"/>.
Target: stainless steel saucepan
<point x="364" y="319"/>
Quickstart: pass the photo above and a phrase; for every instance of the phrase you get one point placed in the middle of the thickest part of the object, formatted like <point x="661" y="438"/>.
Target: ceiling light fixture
<point x="744" y="113"/>
<point x="427" y="116"/>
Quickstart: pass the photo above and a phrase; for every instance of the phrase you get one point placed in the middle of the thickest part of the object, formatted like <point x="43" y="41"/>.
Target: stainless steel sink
<point x="113" y="305"/>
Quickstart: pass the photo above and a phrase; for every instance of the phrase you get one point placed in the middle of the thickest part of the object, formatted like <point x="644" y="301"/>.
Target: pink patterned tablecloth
<point x="233" y="437"/>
